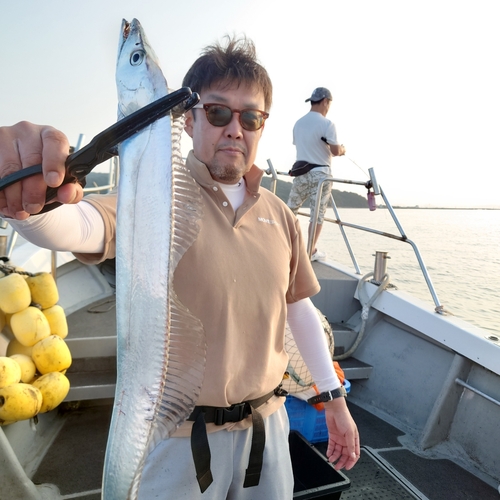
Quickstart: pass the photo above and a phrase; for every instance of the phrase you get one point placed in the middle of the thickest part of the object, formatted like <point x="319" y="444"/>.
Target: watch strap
<point x="326" y="396"/>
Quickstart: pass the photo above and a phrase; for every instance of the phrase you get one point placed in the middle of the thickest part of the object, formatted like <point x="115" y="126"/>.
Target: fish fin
<point x="185" y="365"/>
<point x="186" y="368"/>
<point x="187" y="204"/>
<point x="187" y="343"/>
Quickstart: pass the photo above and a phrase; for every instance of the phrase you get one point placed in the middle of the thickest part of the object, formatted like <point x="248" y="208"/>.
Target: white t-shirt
<point x="307" y="134"/>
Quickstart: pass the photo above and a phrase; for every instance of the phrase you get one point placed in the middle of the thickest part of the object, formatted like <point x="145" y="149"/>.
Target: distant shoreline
<point x="437" y="208"/>
<point x="343" y="199"/>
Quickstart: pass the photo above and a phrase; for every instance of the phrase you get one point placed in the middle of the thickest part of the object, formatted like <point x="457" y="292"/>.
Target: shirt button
<point x="215" y="188"/>
<point x="224" y="203"/>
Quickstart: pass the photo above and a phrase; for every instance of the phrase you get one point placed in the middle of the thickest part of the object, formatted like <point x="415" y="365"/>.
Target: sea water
<point x="460" y="249"/>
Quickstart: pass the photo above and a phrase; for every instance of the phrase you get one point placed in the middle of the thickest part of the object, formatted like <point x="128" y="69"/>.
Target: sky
<point x="415" y="84"/>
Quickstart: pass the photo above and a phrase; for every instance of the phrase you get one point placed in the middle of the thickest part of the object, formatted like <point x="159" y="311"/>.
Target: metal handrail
<point x="312" y="233"/>
<point x="372" y="183"/>
<point x="112" y="181"/>
<point x="477" y="391"/>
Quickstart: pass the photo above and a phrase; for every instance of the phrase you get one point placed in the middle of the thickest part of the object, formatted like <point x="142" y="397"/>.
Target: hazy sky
<point x="416" y="84"/>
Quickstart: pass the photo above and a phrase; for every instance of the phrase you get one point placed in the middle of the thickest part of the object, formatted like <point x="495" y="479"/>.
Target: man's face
<point x="229" y="151"/>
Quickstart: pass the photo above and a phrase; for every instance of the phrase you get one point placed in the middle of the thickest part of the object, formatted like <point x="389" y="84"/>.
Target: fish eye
<point x="137" y="57"/>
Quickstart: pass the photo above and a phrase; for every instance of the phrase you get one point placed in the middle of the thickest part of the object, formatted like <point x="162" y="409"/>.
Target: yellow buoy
<point x="51" y="354"/>
<point x="14" y="293"/>
<point x="15" y="347"/>
<point x="29" y="326"/>
<point x="57" y="320"/>
<point x="43" y="289"/>
<point x="3" y="321"/>
<point x="54" y="387"/>
<point x="10" y="372"/>
<point x="19" y="402"/>
<point x="27" y="365"/>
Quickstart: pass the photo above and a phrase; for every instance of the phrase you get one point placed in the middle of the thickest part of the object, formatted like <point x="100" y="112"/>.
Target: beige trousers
<point x="169" y="472"/>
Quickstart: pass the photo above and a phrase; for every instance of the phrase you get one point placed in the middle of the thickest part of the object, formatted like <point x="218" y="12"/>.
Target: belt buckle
<point x="233" y="413"/>
<point x="280" y="392"/>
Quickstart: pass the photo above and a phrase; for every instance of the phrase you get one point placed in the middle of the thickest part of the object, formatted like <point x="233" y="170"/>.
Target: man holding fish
<point x="245" y="275"/>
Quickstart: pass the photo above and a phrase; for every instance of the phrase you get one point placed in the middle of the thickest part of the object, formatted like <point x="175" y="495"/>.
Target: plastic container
<point x="307" y="420"/>
<point x="314" y="477"/>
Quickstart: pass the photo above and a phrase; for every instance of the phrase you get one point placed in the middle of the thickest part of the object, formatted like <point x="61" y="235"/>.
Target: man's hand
<point x="337" y="149"/>
<point x="23" y="145"/>
<point x="343" y="437"/>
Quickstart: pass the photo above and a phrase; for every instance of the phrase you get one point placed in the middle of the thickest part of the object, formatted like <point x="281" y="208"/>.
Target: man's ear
<point x="188" y="123"/>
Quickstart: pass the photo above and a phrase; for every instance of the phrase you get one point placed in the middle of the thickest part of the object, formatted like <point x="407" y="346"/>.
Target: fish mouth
<point x="128" y="28"/>
<point x="125" y="29"/>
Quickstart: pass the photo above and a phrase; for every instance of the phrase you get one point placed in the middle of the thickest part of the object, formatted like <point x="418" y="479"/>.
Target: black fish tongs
<point x="103" y="146"/>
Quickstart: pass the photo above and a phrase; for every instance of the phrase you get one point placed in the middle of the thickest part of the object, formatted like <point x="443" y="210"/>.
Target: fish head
<point x="139" y="79"/>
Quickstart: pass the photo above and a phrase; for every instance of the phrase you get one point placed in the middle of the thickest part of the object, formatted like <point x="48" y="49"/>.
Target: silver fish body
<point x="161" y="346"/>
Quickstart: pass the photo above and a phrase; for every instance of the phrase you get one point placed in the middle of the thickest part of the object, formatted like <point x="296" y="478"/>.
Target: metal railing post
<point x="53" y="264"/>
<point x="344" y="235"/>
<point x="339" y="222"/>
<point x="274" y="176"/>
<point x="378" y="190"/>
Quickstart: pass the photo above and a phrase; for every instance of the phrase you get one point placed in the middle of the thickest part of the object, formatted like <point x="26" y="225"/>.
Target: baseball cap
<point x="320" y="93"/>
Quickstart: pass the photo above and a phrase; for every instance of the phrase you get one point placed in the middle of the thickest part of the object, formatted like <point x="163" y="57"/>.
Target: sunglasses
<point x="220" y="115"/>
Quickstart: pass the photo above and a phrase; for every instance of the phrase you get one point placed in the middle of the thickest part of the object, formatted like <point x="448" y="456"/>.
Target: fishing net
<point x="298" y="378"/>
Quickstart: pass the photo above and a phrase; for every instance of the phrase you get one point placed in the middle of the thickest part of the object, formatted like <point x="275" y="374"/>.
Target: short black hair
<point x="234" y="63"/>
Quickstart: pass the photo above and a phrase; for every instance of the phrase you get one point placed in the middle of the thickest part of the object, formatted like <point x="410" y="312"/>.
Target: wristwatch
<point x="324" y="397"/>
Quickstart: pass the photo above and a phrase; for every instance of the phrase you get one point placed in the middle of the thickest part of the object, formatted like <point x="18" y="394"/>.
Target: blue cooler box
<point x="307" y="420"/>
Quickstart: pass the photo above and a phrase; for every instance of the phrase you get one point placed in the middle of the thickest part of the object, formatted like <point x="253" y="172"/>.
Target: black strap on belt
<point x="201" y="452"/>
<point x="252" y="475"/>
<point x="200" y="448"/>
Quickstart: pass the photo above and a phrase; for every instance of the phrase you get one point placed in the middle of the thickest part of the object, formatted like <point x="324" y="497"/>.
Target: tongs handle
<point x="103" y="146"/>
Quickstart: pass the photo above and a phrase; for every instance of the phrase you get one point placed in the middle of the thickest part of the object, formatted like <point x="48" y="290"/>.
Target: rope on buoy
<point x="9" y="269"/>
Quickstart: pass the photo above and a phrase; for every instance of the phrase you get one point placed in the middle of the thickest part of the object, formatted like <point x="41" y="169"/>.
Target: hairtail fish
<point x="161" y="347"/>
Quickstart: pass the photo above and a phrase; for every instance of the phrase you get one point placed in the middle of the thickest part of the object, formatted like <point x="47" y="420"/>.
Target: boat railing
<point x="113" y="176"/>
<point x="371" y="184"/>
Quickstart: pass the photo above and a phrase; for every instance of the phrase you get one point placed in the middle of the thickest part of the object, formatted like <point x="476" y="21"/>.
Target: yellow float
<point x="51" y="355"/>
<point x="54" y="387"/>
<point x="15" y="293"/>
<point x="19" y="402"/>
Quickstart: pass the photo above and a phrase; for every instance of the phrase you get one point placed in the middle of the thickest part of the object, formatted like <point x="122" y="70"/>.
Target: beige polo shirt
<point x="237" y="278"/>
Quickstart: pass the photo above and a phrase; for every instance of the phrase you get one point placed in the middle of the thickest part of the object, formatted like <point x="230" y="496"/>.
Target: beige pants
<point x="169" y="472"/>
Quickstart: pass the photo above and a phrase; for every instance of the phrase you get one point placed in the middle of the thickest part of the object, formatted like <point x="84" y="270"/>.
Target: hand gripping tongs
<point x="103" y="145"/>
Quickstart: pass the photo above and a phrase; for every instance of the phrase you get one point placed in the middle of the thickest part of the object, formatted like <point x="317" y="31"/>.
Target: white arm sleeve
<point x="68" y="228"/>
<point x="309" y="336"/>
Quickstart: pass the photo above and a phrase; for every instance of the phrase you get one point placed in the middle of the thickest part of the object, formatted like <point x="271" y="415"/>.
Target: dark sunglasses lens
<point x="219" y="116"/>
<point x="251" y="119"/>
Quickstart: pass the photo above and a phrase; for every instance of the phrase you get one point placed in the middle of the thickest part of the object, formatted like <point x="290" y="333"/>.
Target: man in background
<point x="315" y="138"/>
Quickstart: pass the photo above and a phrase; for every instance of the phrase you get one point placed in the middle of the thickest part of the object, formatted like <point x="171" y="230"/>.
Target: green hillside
<point x="343" y="199"/>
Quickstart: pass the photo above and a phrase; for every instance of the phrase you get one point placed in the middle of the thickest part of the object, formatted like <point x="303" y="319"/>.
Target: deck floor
<point x="387" y="468"/>
<point x="386" y="471"/>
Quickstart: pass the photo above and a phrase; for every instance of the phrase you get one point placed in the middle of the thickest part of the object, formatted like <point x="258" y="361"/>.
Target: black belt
<point x="219" y="416"/>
